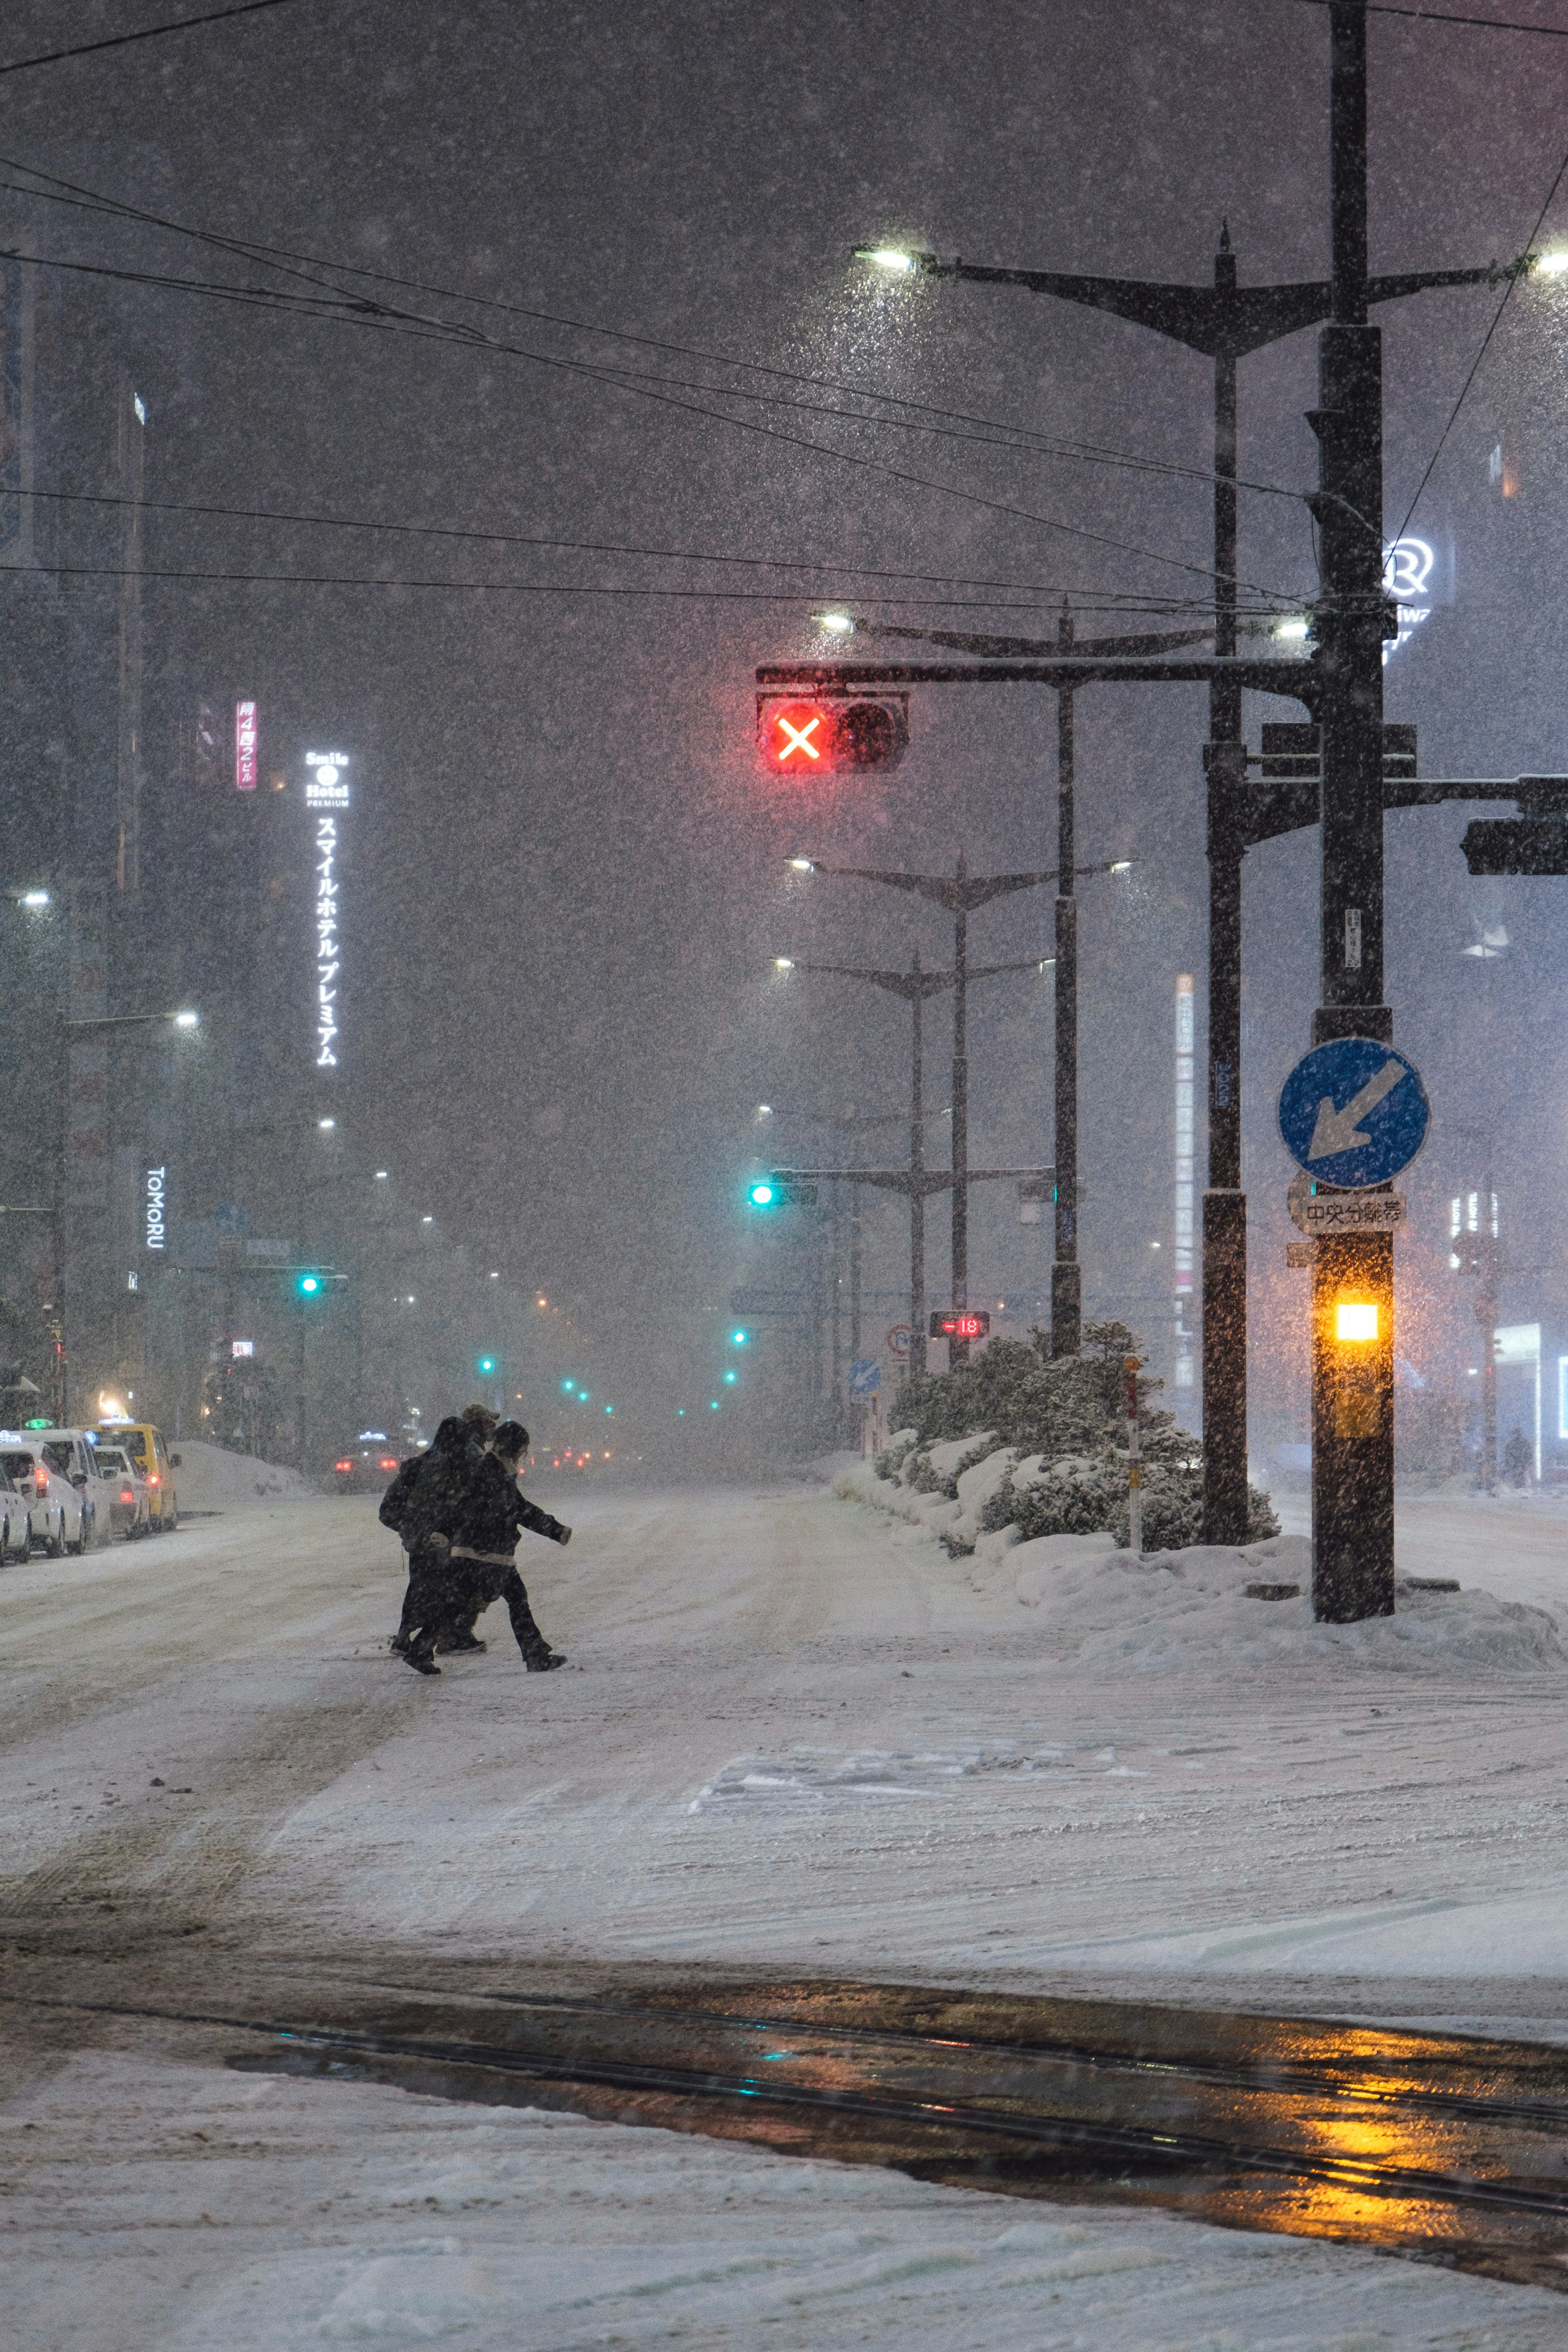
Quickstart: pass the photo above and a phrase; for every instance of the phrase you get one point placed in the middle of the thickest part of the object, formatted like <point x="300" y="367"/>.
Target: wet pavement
<point x="1441" y="2147"/>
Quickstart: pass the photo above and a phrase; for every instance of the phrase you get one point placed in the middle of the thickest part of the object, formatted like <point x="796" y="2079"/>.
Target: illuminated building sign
<point x="244" y="747"/>
<point x="329" y="959"/>
<point x="1182" y="1269"/>
<point x="242" y="1346"/>
<point x="327" y="785"/>
<point x="153" y="1200"/>
<point x="1418" y="577"/>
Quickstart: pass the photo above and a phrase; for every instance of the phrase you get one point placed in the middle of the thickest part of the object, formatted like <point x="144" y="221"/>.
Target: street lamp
<point x="960" y="892"/>
<point x="915" y="1182"/>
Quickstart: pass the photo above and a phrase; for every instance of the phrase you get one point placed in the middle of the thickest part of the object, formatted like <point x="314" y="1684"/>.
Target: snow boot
<point x="463" y="1642"/>
<point x="543" y="1661"/>
<point x="422" y="1662"/>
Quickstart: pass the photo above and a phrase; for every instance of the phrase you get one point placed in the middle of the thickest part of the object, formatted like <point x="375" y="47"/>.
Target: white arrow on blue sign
<point x="1353" y="1112"/>
<point x="865" y="1377"/>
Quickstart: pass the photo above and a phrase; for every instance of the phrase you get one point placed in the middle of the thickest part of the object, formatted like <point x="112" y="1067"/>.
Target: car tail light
<point x="153" y="1479"/>
<point x="342" y="1466"/>
<point x="128" y="1494"/>
<point x="387" y="1463"/>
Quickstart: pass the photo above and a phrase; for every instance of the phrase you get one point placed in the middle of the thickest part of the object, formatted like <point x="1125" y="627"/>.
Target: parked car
<point x="128" y="1495"/>
<point x="15" y="1528"/>
<point x="367" y="1466"/>
<point x="72" y="1455"/>
<point x="144" y="1443"/>
<point x="56" y="1509"/>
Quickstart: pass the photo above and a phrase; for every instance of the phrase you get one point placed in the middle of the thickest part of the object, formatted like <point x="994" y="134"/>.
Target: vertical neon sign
<point x="244" y="747"/>
<point x="327" y="792"/>
<point x="1183" y="1269"/>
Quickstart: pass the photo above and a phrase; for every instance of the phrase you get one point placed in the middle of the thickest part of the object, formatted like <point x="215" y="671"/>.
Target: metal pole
<point x="1130" y="1364"/>
<point x="1223" y="1202"/>
<point x="959" y="1350"/>
<point x="916" y="1203"/>
<point x="1066" y="1281"/>
<point x="1353" y="1382"/>
<point x="1486" y="1315"/>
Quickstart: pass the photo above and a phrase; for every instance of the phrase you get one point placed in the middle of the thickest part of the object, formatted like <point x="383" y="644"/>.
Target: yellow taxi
<point x="145" y="1445"/>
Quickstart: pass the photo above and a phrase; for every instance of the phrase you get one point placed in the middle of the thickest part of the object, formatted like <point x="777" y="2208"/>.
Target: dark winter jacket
<point x="427" y="1494"/>
<point x="493" y="1513"/>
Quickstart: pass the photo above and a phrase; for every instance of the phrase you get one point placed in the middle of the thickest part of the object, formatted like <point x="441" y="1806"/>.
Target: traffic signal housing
<point x="819" y="734"/>
<point x="780" y="1190"/>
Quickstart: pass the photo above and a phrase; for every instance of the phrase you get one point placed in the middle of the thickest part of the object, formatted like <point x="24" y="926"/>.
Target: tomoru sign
<point x="327" y="792"/>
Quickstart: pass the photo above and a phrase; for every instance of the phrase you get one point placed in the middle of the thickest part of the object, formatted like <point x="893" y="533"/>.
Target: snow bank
<point x="956" y="1524"/>
<point x="1186" y="1610"/>
<point x="211" y="1478"/>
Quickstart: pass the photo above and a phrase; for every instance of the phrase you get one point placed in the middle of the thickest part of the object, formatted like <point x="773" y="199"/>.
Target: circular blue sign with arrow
<point x="1353" y="1112"/>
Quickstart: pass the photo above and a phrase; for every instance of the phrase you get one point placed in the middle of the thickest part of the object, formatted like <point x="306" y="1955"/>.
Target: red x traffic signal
<point x="812" y="736"/>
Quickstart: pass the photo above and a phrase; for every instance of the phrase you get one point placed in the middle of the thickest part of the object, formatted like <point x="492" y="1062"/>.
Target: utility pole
<point x="1352" y="1396"/>
<point x="1066" y="1275"/>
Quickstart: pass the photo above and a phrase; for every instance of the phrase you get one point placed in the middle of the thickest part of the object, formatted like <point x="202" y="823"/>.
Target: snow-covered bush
<point x="1063" y="1419"/>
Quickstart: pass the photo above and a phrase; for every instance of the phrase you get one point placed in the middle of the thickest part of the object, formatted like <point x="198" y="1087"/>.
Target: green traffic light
<point x="740" y="1338"/>
<point x="762" y="1196"/>
<point x="485" y="1364"/>
<point x="310" y="1285"/>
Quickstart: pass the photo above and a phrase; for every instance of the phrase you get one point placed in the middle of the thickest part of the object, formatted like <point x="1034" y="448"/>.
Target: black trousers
<point x="474" y="1584"/>
<point x="434" y="1602"/>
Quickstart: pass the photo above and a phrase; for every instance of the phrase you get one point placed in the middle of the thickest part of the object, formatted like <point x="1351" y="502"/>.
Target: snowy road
<point x="791" y="1736"/>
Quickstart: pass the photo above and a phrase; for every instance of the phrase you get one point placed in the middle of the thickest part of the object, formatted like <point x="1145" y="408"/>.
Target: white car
<point x="16" y="1528"/>
<point x="72" y="1455"/>
<point x="127" y="1498"/>
<point x="59" y="1518"/>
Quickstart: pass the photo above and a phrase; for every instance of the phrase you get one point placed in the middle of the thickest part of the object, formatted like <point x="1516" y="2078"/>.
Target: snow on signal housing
<point x="819" y="734"/>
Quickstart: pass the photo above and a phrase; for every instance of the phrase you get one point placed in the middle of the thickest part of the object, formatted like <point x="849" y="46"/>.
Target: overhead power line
<point x="838" y="568"/>
<point x="1444" y="17"/>
<point x="357" y="311"/>
<point x="148" y="33"/>
<point x="1084" y="602"/>
<point x="347" y="306"/>
<point x="1486" y="345"/>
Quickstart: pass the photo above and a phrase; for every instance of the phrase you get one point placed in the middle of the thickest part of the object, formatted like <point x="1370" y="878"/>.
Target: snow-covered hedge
<point x="1018" y="1444"/>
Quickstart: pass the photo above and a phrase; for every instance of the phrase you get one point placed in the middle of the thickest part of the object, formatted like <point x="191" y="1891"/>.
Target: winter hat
<point x="509" y="1439"/>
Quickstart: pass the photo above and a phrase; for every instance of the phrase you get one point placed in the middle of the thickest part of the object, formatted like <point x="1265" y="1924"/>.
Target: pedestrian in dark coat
<point x="422" y="1504"/>
<point x="492" y="1515"/>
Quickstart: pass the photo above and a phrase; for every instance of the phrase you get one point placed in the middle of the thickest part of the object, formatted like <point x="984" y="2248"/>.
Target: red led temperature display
<point x="960" y="1323"/>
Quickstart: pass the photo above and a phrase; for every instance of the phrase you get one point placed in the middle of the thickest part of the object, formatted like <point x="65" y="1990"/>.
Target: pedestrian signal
<point x="960" y="1323"/>
<point x="816" y="735"/>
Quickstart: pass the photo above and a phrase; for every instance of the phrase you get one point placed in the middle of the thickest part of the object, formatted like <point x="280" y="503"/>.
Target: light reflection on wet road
<point x="1431" y="2145"/>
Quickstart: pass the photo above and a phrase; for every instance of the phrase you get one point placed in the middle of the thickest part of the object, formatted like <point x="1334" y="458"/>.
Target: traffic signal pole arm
<point x="1221" y="321"/>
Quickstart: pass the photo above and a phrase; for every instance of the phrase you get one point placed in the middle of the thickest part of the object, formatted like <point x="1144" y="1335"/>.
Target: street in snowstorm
<point x="783" y="1294"/>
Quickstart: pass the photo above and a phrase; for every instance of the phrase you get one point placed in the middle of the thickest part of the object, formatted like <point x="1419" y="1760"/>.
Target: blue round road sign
<point x="1353" y="1112"/>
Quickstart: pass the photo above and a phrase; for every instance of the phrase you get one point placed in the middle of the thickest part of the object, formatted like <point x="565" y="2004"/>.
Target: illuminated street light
<point x="894" y="257"/>
<point x="783" y="963"/>
<point x="839" y="624"/>
<point x="32" y="897"/>
<point x="804" y="865"/>
<point x="187" y="1020"/>
<point x="326" y="1125"/>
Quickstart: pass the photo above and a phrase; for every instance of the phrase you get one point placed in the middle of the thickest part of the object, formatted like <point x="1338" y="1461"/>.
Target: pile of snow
<point x="1190" y="1609"/>
<point x="211" y="1478"/>
<point x="1184" y="1610"/>
<point x="956" y="1519"/>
